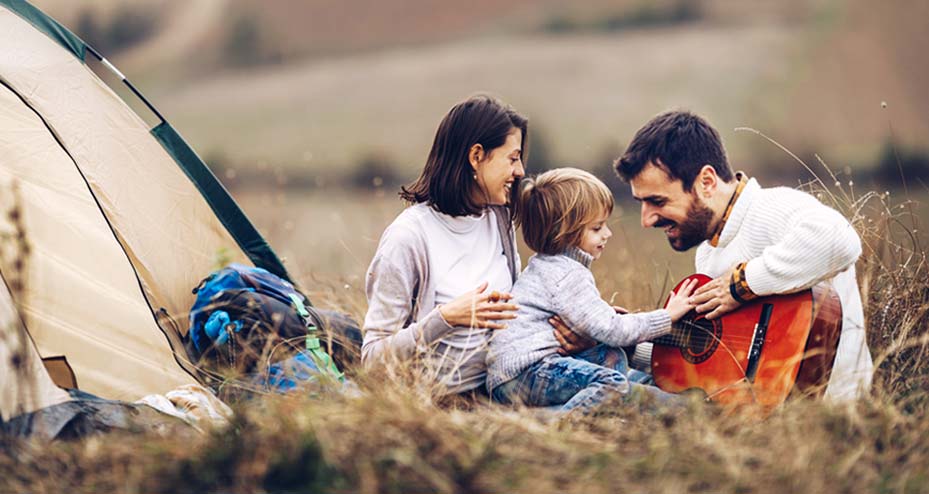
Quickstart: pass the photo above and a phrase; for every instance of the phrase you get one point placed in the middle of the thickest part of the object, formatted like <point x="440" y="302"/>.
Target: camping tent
<point x="107" y="222"/>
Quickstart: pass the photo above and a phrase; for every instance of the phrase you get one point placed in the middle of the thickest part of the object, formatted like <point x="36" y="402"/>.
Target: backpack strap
<point x="322" y="359"/>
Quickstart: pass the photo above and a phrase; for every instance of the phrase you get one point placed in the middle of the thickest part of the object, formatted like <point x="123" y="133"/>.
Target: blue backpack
<point x="244" y="316"/>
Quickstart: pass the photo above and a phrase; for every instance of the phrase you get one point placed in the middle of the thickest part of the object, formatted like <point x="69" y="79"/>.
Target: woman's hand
<point x="477" y="309"/>
<point x="679" y="304"/>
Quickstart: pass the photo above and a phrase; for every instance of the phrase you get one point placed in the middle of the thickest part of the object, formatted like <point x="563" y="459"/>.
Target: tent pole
<point x="125" y="81"/>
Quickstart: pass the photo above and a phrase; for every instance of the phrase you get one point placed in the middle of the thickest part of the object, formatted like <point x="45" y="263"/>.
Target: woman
<point x="441" y="276"/>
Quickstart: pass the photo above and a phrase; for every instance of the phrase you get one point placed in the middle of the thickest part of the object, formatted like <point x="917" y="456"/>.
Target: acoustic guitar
<point x="760" y="353"/>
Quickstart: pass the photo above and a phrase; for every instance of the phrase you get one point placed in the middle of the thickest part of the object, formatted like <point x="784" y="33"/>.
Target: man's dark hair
<point x="447" y="181"/>
<point x="680" y="143"/>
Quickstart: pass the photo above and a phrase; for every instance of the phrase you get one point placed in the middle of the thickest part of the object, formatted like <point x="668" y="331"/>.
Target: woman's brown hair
<point x="447" y="182"/>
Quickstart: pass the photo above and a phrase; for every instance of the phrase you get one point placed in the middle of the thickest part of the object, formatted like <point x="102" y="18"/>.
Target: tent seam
<point x="106" y="218"/>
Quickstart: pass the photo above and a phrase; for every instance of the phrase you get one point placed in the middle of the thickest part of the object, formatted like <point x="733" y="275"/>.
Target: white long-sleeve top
<point x="791" y="241"/>
<point x="425" y="257"/>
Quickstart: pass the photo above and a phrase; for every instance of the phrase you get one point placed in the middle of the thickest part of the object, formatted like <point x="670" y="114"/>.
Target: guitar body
<point x="796" y="352"/>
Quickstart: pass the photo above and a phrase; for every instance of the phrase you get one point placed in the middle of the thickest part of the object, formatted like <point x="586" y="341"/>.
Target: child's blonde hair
<point x="556" y="206"/>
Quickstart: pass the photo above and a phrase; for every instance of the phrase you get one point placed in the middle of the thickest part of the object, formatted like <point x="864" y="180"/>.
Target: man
<point x="753" y="241"/>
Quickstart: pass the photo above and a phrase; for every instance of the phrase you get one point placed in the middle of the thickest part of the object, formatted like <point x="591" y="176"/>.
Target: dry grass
<point x="395" y="435"/>
<point x="394" y="439"/>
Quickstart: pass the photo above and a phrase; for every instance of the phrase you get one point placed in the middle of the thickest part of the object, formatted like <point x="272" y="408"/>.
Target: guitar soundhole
<point x="702" y="340"/>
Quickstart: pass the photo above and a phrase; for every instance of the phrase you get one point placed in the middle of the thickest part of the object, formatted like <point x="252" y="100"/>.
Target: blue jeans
<point x="582" y="382"/>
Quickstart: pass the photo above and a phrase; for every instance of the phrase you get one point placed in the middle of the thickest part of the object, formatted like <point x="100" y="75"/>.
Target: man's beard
<point x="693" y="230"/>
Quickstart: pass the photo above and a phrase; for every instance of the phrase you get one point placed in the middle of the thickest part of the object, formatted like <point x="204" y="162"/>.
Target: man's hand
<point x="714" y="298"/>
<point x="570" y="341"/>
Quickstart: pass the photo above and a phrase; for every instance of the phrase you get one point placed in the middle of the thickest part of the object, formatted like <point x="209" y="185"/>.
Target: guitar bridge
<point x="754" y="352"/>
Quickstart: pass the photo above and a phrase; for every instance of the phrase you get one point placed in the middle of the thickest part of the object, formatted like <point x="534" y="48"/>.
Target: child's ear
<point x="707" y="181"/>
<point x="476" y="155"/>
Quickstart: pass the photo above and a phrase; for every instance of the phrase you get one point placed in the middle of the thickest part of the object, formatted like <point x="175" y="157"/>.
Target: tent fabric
<point x="82" y="299"/>
<point x="222" y="203"/>
<point x="84" y="414"/>
<point x="24" y="385"/>
<point x="49" y="26"/>
<point x="119" y="234"/>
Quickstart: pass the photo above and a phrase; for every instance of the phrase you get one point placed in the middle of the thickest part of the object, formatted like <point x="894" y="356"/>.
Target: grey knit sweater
<point x="562" y="285"/>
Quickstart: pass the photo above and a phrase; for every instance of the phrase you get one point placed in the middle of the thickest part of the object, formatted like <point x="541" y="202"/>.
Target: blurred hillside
<point x="351" y="90"/>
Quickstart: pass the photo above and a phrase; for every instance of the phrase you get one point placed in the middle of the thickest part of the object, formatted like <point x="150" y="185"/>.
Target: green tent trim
<point x="223" y="205"/>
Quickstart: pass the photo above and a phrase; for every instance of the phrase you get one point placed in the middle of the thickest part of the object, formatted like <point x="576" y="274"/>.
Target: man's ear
<point x="476" y="155"/>
<point x="707" y="181"/>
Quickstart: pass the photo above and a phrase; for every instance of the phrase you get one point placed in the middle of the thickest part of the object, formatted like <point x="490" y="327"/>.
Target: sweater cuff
<point x="659" y="324"/>
<point x="738" y="287"/>
<point x="433" y="327"/>
<point x="642" y="357"/>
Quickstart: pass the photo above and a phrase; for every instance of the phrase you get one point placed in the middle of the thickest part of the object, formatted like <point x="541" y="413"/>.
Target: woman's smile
<point x="497" y="173"/>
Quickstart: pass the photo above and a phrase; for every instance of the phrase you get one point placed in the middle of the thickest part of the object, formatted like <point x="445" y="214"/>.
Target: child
<point x="563" y="214"/>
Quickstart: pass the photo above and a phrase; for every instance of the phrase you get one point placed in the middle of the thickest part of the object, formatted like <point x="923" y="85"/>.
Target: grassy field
<point x="335" y="85"/>
<point x="587" y="94"/>
<point x="586" y="90"/>
<point x="397" y="436"/>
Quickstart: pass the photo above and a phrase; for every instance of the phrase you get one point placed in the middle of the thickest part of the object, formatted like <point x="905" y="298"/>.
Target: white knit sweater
<point x="791" y="242"/>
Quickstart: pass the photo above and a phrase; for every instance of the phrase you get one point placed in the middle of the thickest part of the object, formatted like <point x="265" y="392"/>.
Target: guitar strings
<point x="704" y="332"/>
<point x="735" y="360"/>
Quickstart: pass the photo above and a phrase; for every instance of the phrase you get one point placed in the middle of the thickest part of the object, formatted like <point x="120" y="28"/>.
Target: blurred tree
<point x="899" y="164"/>
<point x="376" y="170"/>
<point x="128" y="26"/>
<point x="539" y="157"/>
<point x="247" y="43"/>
